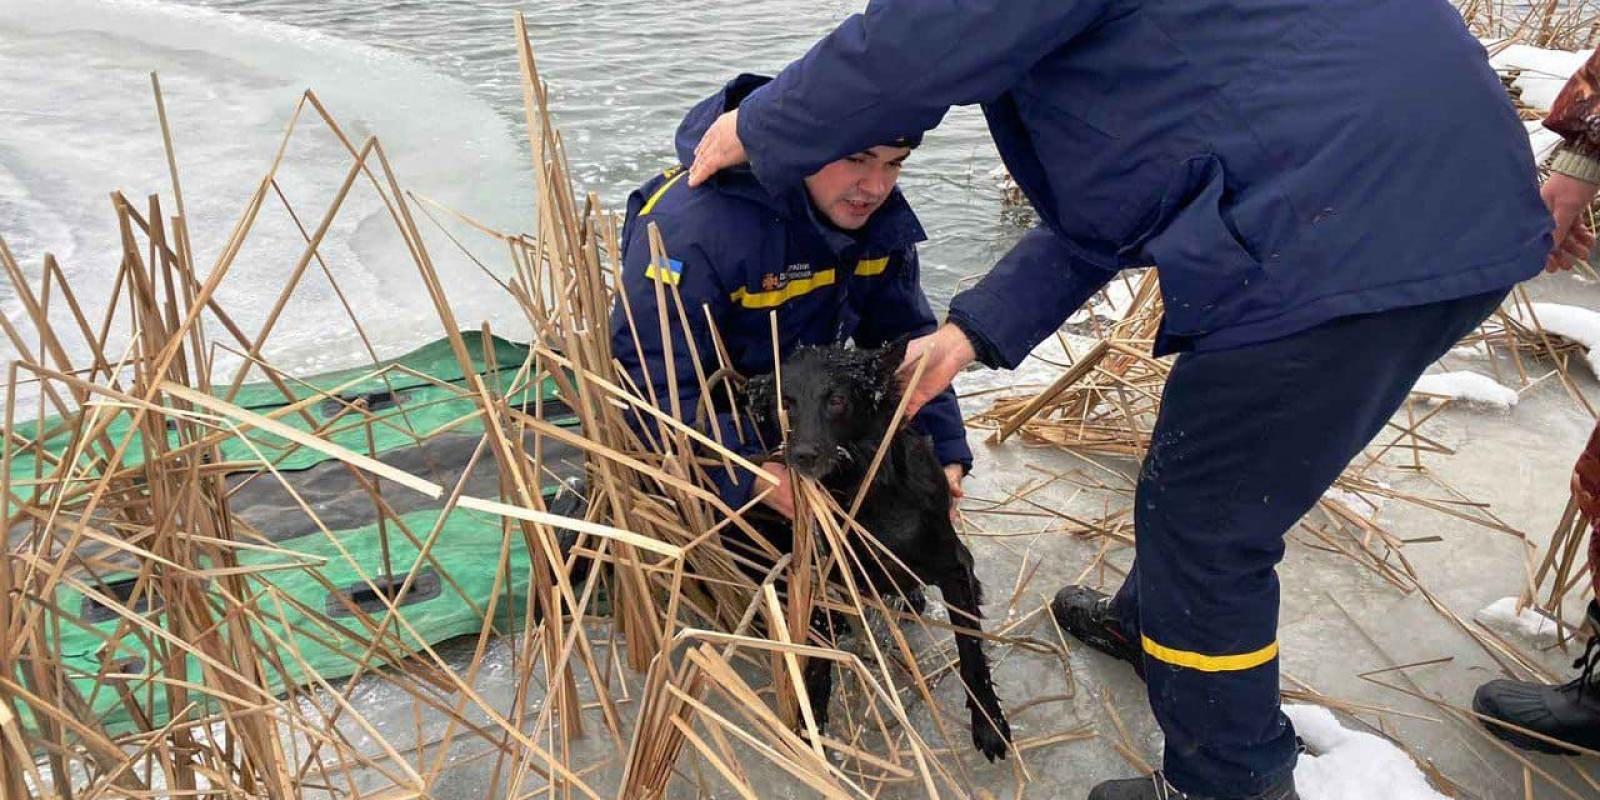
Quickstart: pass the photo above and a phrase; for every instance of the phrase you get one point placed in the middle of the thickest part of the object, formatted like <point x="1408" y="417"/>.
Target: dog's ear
<point x="761" y="397"/>
<point x="887" y="362"/>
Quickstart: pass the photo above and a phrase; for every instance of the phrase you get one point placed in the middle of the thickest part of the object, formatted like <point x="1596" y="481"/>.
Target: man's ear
<point x="761" y="397"/>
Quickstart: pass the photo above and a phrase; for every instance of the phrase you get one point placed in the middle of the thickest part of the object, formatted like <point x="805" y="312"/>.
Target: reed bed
<point x="1554" y="24"/>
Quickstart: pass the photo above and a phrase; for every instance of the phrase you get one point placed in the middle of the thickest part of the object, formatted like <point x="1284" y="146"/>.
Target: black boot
<point x="1155" y="787"/>
<point x="1569" y="712"/>
<point x="1088" y="616"/>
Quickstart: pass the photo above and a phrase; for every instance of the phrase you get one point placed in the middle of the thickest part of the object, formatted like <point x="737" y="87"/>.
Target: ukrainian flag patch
<point x="672" y="275"/>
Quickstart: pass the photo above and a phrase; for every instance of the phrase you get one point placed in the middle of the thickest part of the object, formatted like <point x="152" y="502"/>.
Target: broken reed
<point x="734" y="699"/>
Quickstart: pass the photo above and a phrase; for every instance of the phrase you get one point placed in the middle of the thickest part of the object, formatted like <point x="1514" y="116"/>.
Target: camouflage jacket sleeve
<point x="1576" y="116"/>
<point x="1586" y="494"/>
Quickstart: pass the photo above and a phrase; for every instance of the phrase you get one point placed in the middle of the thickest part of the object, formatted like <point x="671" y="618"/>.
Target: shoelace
<point x="1588" y="662"/>
<point x="1164" y="790"/>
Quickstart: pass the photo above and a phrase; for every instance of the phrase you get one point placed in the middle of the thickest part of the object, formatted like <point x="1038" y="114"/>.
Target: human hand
<point x="948" y="352"/>
<point x="718" y="149"/>
<point x="779" y="498"/>
<point x="955" y="473"/>
<point x="1568" y="200"/>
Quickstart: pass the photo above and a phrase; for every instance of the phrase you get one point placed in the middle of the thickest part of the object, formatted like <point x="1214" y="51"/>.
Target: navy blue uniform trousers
<point x="1247" y="440"/>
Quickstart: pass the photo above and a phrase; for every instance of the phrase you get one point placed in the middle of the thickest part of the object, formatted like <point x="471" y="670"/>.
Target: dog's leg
<point x="819" y="686"/>
<point x="991" y="733"/>
<point x="818" y="672"/>
<point x="916" y="602"/>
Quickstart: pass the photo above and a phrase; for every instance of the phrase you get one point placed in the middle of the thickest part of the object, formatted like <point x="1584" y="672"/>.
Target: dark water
<point x="623" y="72"/>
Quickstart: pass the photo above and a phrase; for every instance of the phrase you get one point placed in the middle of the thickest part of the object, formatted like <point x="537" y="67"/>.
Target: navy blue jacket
<point x="740" y="252"/>
<point x="1282" y="162"/>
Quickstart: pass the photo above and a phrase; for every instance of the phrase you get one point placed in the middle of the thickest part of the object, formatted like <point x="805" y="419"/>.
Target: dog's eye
<point x="836" y="403"/>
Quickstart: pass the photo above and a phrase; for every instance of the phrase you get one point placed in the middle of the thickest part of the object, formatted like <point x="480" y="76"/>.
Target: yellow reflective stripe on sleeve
<point x="872" y="266"/>
<point x="651" y="203"/>
<point x="777" y="297"/>
<point x="1204" y="663"/>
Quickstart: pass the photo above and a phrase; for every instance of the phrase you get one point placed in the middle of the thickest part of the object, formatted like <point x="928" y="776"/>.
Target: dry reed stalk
<point x="1563" y="575"/>
<point x="1556" y="24"/>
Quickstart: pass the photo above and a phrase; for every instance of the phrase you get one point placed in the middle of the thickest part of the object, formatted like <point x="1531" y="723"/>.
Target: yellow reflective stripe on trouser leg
<point x="1205" y="663"/>
<point x="651" y="203"/>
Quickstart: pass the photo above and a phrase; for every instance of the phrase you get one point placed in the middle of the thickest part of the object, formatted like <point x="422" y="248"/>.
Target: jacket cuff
<point x="953" y="451"/>
<point x="985" y="351"/>
<point x="1001" y="338"/>
<point x="1577" y="162"/>
<point x="735" y="495"/>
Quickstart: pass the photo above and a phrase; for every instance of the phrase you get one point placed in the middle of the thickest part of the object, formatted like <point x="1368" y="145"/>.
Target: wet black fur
<point x="839" y="403"/>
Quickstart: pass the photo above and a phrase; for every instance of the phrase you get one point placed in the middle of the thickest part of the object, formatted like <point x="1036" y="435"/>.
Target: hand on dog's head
<point x="835" y="397"/>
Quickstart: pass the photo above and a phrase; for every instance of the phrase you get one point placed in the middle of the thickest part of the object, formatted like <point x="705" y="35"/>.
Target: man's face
<point x="849" y="190"/>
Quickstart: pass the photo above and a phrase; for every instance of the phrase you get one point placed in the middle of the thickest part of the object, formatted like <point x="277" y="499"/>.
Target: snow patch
<point x="1471" y="387"/>
<point x="1365" y="505"/>
<point x="1543" y="74"/>
<point x="1544" y="71"/>
<point x="1581" y="325"/>
<point x="1352" y="765"/>
<point x="1503" y="615"/>
<point x="1542" y="140"/>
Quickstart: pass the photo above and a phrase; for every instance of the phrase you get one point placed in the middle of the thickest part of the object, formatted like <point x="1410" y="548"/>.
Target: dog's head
<point x="834" y="397"/>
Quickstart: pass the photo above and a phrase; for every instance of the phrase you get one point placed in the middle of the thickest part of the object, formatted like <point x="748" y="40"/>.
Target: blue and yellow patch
<point x="672" y="274"/>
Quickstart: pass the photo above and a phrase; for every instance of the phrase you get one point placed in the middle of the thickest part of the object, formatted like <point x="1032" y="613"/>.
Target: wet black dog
<point x="839" y="403"/>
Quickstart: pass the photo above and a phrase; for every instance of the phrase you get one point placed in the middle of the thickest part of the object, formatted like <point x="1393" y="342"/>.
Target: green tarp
<point x="405" y="396"/>
<point x="297" y="597"/>
<point x="299" y="587"/>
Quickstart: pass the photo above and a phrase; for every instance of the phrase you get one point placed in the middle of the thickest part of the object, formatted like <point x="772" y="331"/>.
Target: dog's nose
<point x="804" y="455"/>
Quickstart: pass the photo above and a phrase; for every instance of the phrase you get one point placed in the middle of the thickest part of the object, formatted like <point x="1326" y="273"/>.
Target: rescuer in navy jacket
<point x="1332" y="192"/>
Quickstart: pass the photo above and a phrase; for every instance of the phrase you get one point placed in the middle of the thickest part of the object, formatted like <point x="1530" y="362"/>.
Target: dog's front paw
<point x="915" y="601"/>
<point x="992" y="739"/>
<point x="819" y="713"/>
